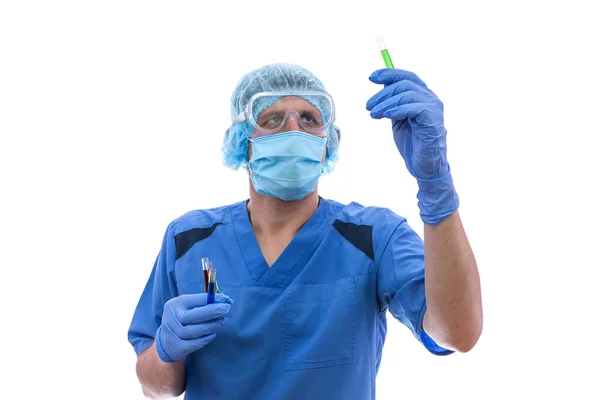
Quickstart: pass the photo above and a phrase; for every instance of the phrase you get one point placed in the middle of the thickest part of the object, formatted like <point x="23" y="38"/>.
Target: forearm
<point x="454" y="316"/>
<point x="159" y="380"/>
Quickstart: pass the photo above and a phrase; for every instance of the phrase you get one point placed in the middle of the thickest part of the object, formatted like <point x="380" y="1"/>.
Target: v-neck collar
<point x="287" y="263"/>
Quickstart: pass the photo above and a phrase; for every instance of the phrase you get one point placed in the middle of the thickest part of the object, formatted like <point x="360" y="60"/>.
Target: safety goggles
<point x="269" y="112"/>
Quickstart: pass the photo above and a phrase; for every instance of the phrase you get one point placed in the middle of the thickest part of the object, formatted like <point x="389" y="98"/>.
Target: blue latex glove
<point x="189" y="324"/>
<point x="418" y="125"/>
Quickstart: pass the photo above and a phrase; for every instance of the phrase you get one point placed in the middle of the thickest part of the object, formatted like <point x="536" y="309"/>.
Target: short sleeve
<point x="159" y="288"/>
<point x="401" y="283"/>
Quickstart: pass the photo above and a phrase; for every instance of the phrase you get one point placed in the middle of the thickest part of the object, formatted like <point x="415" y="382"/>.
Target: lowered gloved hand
<point x="418" y="125"/>
<point x="188" y="324"/>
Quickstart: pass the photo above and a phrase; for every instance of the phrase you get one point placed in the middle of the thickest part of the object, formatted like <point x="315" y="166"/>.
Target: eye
<point x="310" y="119"/>
<point x="271" y="121"/>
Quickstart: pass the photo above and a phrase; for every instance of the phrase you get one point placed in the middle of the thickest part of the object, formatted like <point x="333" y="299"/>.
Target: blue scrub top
<point x="311" y="326"/>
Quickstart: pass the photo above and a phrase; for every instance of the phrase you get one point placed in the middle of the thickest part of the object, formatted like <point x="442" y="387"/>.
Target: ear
<point x="339" y="133"/>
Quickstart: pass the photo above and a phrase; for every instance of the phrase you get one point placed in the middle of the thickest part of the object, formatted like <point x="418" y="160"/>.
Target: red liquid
<point x="205" y="281"/>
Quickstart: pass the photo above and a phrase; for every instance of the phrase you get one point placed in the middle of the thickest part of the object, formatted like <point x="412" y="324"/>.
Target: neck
<point x="271" y="216"/>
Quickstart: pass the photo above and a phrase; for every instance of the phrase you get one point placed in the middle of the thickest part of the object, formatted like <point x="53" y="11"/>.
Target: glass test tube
<point x="384" y="52"/>
<point x="206" y="264"/>
<point x="212" y="283"/>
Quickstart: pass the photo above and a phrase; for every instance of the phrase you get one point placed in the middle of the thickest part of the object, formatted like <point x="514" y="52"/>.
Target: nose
<point x="291" y="124"/>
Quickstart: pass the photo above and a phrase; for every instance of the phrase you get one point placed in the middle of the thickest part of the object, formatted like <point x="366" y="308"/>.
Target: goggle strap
<point x="240" y="118"/>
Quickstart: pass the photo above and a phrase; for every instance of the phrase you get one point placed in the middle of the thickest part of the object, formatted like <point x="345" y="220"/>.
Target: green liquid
<point x="387" y="59"/>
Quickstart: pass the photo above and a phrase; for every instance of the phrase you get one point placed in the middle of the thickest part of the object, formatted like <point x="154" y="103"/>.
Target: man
<point x="305" y="282"/>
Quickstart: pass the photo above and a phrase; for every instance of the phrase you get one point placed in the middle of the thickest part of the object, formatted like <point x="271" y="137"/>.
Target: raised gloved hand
<point x="418" y="125"/>
<point x="188" y="324"/>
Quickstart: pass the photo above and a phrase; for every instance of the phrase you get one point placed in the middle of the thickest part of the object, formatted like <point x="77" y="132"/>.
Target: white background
<point x="111" y="120"/>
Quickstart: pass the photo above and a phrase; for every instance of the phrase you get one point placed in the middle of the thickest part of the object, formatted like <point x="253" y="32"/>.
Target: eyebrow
<point x="299" y="103"/>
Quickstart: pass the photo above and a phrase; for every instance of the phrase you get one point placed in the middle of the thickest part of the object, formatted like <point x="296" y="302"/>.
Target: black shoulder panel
<point x="361" y="236"/>
<point x="185" y="240"/>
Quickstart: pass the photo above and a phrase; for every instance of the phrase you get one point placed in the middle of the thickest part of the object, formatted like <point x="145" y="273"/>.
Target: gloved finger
<point x="388" y="76"/>
<point x="188" y="301"/>
<point x="412" y="110"/>
<point x="394" y="89"/>
<point x="195" y="331"/>
<point x="170" y="330"/>
<point x="197" y="344"/>
<point x="399" y="99"/>
<point x="203" y="314"/>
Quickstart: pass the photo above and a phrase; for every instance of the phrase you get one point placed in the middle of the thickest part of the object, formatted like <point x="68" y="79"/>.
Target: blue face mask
<point x="286" y="165"/>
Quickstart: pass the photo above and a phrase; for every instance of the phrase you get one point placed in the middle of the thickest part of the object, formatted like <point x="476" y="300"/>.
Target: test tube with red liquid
<point x="206" y="264"/>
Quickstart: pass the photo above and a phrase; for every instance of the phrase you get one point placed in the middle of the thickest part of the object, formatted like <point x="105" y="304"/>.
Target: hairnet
<point x="273" y="77"/>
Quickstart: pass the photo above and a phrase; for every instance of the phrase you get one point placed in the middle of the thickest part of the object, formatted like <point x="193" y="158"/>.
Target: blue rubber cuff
<point x="437" y="199"/>
<point x="162" y="354"/>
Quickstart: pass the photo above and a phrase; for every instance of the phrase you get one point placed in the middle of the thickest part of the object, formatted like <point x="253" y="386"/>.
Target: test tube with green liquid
<point x="384" y="52"/>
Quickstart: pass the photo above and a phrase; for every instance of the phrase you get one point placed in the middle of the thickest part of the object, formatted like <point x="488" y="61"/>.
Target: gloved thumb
<point x="374" y="77"/>
<point x="223" y="298"/>
<point x="387" y="76"/>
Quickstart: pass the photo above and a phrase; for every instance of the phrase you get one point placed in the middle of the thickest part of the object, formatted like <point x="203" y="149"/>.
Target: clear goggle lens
<point x="271" y="112"/>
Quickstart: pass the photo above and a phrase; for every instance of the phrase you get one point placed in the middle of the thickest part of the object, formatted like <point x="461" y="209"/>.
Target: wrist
<point x="162" y="354"/>
<point x="437" y="198"/>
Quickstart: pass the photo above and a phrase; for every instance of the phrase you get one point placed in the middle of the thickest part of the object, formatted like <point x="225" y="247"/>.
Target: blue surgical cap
<point x="273" y="77"/>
